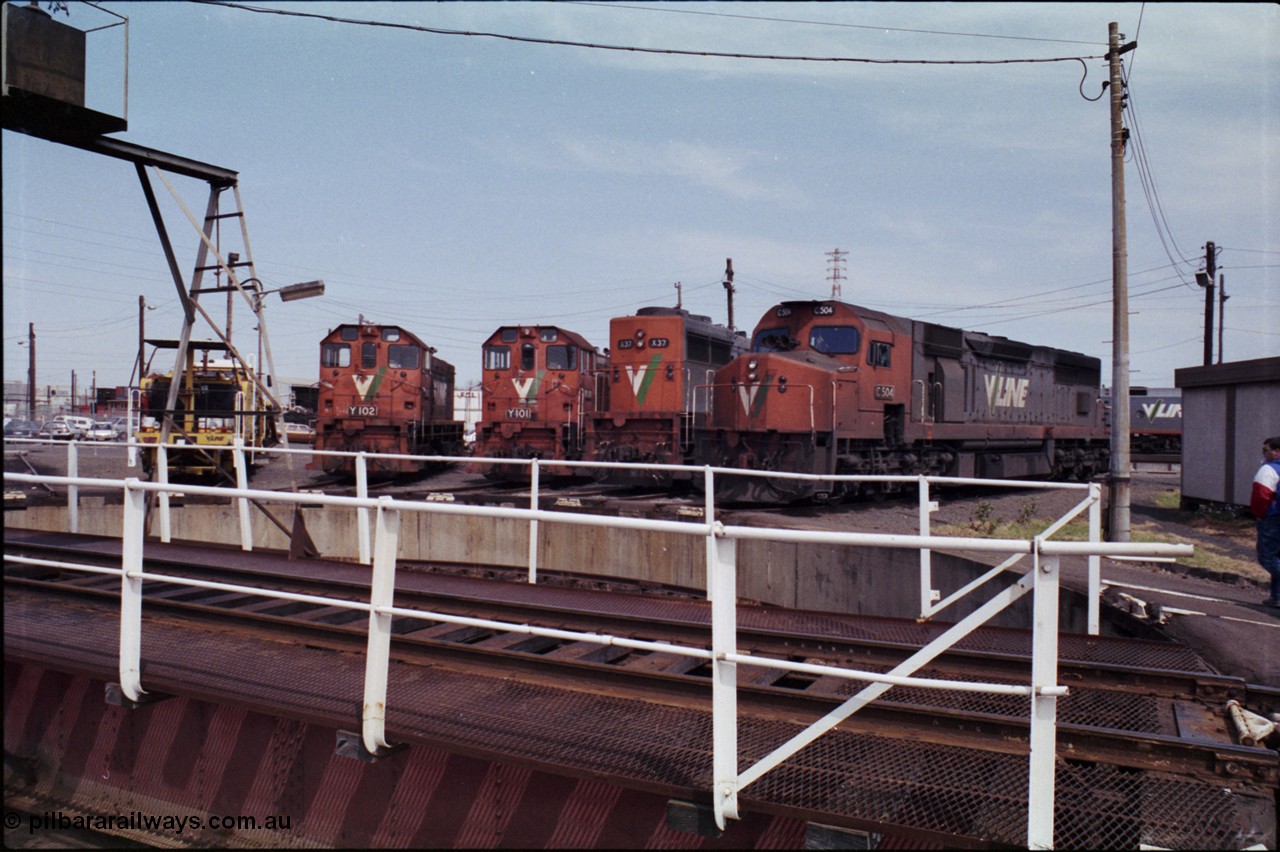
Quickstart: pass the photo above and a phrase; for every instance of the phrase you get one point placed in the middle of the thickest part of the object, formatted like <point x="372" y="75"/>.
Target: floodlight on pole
<point x="305" y="290"/>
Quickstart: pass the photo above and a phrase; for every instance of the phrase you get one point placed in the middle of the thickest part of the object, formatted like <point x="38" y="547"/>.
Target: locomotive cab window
<point x="335" y="355"/>
<point x="879" y="353"/>
<point x="562" y="357"/>
<point x="390" y="333"/>
<point x="350" y="332"/>
<point x="697" y="348"/>
<point x="402" y="356"/>
<point x="834" y="339"/>
<point x="368" y="354"/>
<point x="547" y="335"/>
<point x="773" y="340"/>
<point x="497" y="357"/>
<point x="527" y="356"/>
<point x="509" y="335"/>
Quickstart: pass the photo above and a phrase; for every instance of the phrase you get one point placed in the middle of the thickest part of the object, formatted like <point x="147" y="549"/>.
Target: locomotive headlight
<point x="752" y="364"/>
<point x="782" y="384"/>
<point x="639" y="334"/>
<point x="671" y="372"/>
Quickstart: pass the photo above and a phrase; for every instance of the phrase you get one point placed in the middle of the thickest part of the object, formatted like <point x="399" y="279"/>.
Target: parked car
<point x="56" y="430"/>
<point x="299" y="433"/>
<point x="79" y="426"/>
<point x="21" y="429"/>
<point x="103" y="430"/>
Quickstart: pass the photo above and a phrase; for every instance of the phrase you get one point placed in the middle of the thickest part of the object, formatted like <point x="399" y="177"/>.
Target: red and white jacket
<point x="1262" y="500"/>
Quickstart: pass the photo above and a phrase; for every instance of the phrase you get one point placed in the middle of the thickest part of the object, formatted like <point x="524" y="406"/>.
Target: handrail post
<point x="162" y="478"/>
<point x="73" y="491"/>
<point x="709" y="512"/>
<point x="1095" y="561"/>
<point x="132" y="452"/>
<point x="927" y="594"/>
<point x="242" y="504"/>
<point x="533" y="523"/>
<point x="722" y="588"/>
<point x="378" y="658"/>
<point x="1044" y="707"/>
<point x="362" y="513"/>
<point x="132" y="533"/>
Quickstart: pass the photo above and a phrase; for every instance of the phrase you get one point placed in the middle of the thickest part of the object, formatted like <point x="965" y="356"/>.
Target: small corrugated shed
<point x="1227" y="412"/>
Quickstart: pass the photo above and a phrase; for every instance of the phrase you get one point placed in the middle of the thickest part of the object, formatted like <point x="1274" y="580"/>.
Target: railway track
<point x="1133" y="704"/>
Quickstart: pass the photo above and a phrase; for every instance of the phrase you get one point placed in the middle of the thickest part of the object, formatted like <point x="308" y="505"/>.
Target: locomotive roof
<point x="378" y="325"/>
<point x="979" y="341"/>
<point x="561" y="331"/>
<point x="699" y="322"/>
<point x="670" y="312"/>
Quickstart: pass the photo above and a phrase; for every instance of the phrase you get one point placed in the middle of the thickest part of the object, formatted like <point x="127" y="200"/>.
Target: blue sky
<point x="452" y="184"/>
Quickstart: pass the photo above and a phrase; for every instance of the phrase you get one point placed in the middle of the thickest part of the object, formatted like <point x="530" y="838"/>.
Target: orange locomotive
<point x="382" y="390"/>
<point x="831" y="388"/>
<point x="541" y="386"/>
<point x="662" y="364"/>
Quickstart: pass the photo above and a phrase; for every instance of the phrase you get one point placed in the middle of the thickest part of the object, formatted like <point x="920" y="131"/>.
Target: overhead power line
<point x="677" y="10"/>
<point x="634" y="49"/>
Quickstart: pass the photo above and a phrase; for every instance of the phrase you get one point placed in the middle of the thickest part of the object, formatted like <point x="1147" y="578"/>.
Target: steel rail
<point x="1167" y="683"/>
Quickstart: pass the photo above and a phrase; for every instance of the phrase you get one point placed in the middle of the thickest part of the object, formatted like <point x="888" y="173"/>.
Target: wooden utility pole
<point x="1222" y="300"/>
<point x="1210" y="267"/>
<point x="31" y="371"/>
<point x="1119" y="502"/>
<point x="728" y="287"/>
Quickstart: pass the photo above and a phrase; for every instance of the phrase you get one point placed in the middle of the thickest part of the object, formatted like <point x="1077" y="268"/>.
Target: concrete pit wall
<point x="863" y="580"/>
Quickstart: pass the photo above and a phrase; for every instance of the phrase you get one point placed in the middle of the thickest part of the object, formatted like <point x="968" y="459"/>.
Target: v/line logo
<point x="1007" y="391"/>
<point x="367" y="386"/>
<point x="751" y="397"/>
<point x="527" y="388"/>
<point x="642" y="377"/>
<point x="1162" y="410"/>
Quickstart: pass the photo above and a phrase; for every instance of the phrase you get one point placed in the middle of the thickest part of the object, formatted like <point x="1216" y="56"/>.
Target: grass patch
<point x="1207" y="528"/>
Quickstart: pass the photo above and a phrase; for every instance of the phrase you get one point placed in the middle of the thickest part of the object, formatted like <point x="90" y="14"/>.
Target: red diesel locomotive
<point x="382" y="390"/>
<point x="832" y="388"/>
<point x="662" y="364"/>
<point x="541" y="387"/>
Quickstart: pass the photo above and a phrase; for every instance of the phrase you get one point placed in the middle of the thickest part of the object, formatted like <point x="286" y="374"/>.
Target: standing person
<point x="1265" y="504"/>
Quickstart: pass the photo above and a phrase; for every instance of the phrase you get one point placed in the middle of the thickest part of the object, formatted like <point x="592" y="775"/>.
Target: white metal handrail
<point x="931" y="600"/>
<point x="1042" y="582"/>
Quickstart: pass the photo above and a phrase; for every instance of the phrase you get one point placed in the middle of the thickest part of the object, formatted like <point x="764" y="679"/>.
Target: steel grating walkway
<point x="854" y="778"/>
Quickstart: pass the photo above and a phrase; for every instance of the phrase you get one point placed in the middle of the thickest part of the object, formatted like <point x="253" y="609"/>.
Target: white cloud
<point x="731" y="171"/>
